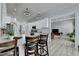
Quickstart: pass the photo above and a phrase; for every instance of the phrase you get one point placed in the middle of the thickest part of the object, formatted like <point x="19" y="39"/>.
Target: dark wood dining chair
<point x="8" y="47"/>
<point x="43" y="45"/>
<point x="31" y="47"/>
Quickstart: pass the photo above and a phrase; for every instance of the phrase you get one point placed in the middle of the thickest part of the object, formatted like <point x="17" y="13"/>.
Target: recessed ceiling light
<point x="14" y="9"/>
<point x="38" y="15"/>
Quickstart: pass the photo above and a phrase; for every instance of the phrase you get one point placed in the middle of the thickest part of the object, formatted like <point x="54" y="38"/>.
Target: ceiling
<point x="17" y="9"/>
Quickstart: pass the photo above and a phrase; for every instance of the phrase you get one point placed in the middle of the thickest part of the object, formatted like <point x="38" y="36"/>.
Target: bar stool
<point x="42" y="45"/>
<point x="31" y="46"/>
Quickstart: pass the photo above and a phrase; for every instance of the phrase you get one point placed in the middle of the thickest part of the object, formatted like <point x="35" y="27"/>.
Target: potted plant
<point x="71" y="36"/>
<point x="10" y="35"/>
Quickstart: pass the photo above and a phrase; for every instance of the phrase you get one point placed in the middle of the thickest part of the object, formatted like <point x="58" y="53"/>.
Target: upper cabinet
<point x="3" y="15"/>
<point x="0" y="14"/>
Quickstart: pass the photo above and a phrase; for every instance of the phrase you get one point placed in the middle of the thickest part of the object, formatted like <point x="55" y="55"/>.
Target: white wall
<point x="17" y="27"/>
<point x="77" y="29"/>
<point x="63" y="26"/>
<point x="39" y="24"/>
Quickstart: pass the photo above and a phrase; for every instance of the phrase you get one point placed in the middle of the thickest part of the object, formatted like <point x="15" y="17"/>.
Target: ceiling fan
<point x="27" y="12"/>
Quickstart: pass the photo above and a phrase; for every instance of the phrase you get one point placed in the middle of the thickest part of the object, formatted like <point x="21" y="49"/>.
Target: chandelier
<point x="27" y="12"/>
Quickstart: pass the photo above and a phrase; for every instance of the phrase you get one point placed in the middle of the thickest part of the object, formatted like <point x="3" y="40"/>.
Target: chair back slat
<point x="31" y="39"/>
<point x="43" y="37"/>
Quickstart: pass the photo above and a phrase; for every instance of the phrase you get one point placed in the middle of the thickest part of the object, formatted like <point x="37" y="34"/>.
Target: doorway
<point x="63" y="36"/>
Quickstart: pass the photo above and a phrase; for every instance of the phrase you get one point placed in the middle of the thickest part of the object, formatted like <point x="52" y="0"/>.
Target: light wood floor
<point x="62" y="47"/>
